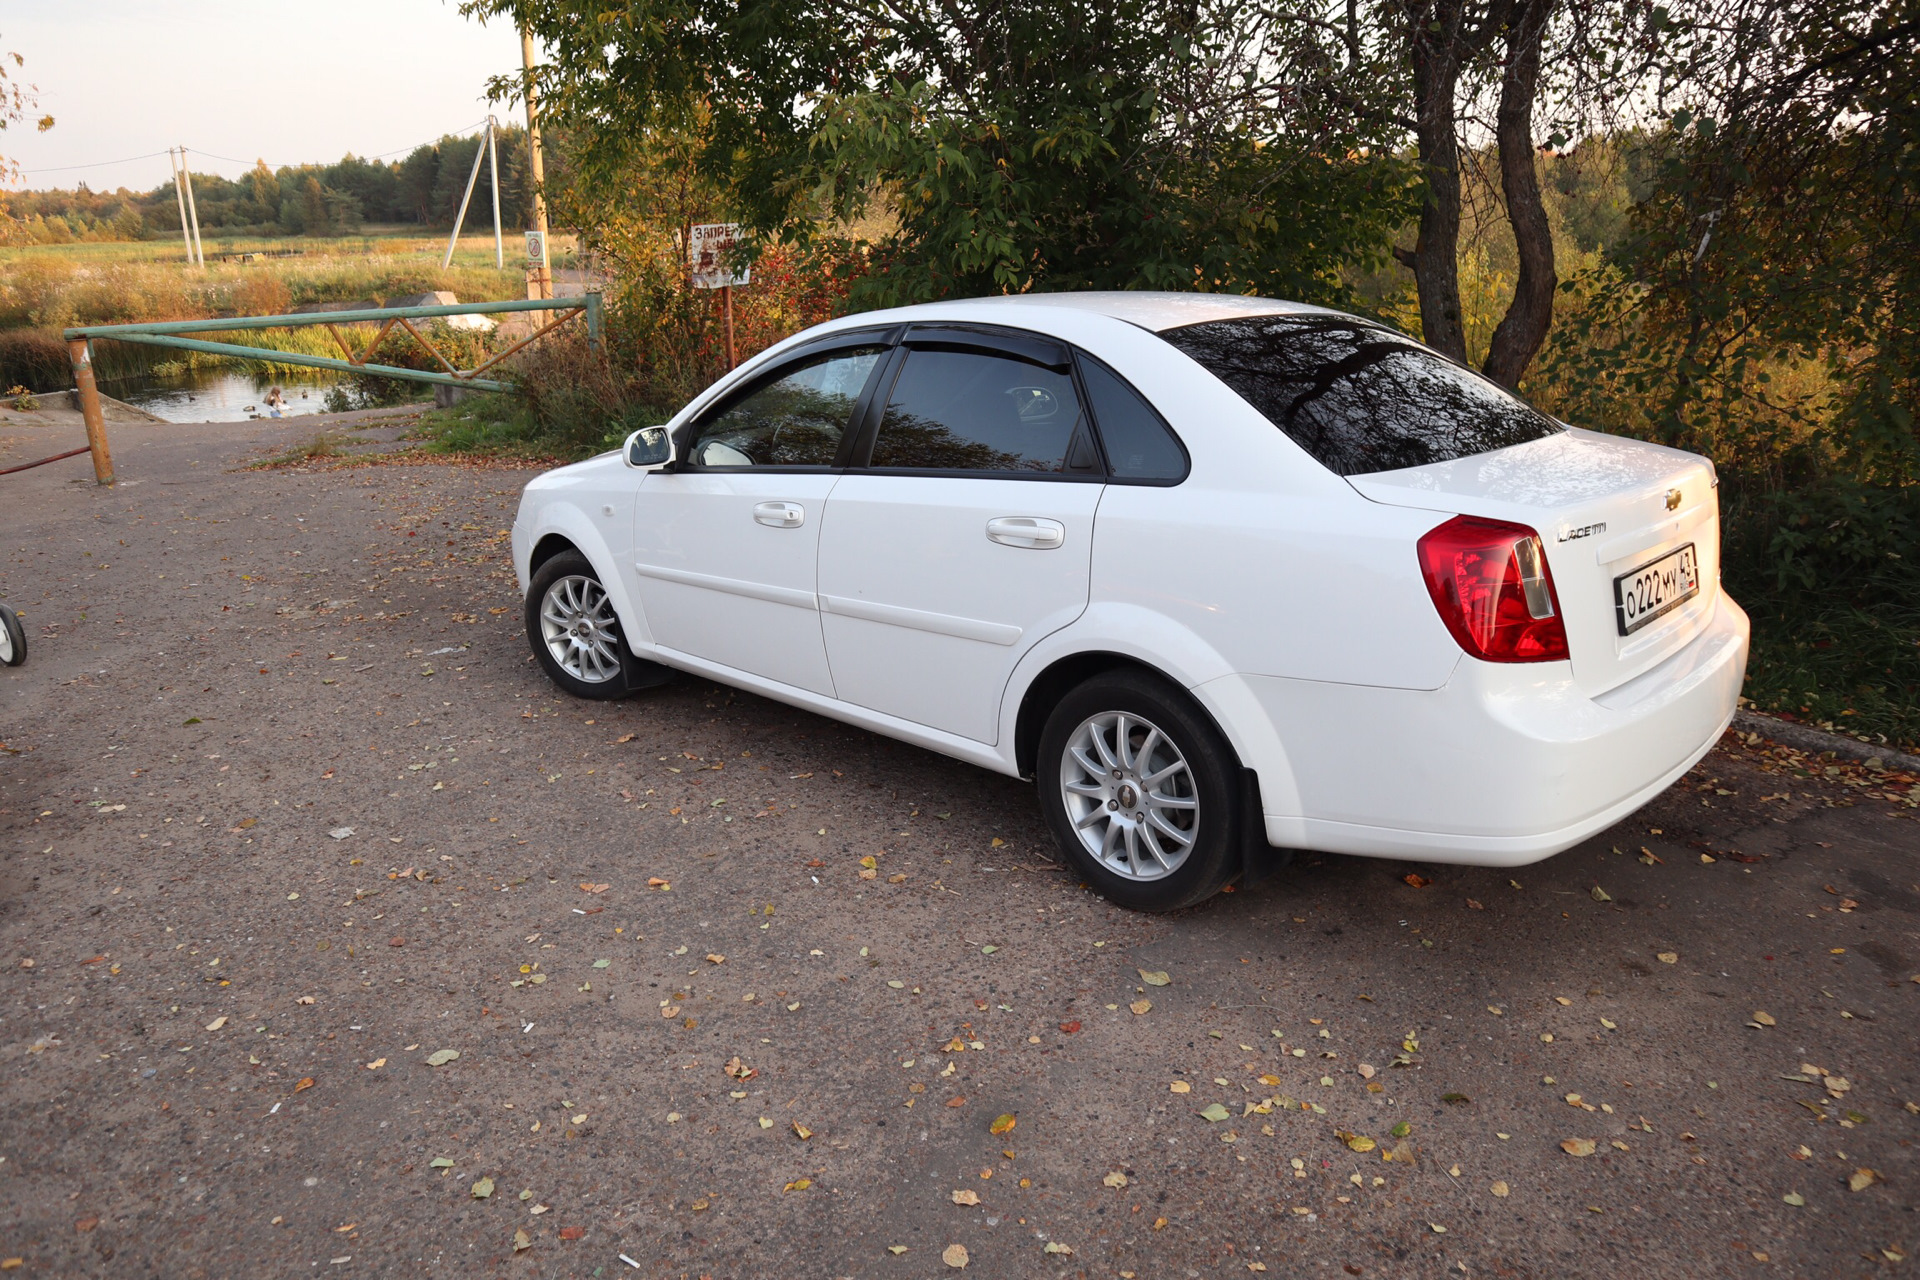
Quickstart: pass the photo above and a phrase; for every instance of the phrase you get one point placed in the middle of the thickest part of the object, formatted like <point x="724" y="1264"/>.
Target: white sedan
<point x="1221" y="574"/>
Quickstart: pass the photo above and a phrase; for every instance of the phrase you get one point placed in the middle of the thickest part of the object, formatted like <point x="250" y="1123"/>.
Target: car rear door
<point x="963" y="533"/>
<point x="725" y="544"/>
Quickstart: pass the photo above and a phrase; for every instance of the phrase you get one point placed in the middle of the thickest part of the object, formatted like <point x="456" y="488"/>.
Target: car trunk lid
<point x="1616" y="518"/>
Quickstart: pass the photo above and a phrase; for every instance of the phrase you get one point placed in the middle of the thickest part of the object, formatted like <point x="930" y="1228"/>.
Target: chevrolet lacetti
<point x="1221" y="574"/>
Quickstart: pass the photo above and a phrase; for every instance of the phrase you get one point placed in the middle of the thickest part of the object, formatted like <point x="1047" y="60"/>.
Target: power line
<point x="98" y="164"/>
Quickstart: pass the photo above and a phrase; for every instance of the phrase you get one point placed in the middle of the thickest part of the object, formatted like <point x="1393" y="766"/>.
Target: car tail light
<point x="1490" y="581"/>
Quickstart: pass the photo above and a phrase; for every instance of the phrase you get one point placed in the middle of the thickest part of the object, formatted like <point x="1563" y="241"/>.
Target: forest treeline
<point x="422" y="189"/>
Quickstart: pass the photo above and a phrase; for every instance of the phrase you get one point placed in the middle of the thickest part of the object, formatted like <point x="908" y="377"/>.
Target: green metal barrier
<point x="170" y="333"/>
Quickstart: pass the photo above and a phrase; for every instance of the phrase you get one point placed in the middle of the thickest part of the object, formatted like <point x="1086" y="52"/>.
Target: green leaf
<point x="441" y="1057"/>
<point x="1214" y="1113"/>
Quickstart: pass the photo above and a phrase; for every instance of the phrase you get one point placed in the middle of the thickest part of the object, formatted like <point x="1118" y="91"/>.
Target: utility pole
<point x="180" y="198"/>
<point x="459" y="219"/>
<point x="493" y="164"/>
<point x="540" y="281"/>
<point x="199" y="250"/>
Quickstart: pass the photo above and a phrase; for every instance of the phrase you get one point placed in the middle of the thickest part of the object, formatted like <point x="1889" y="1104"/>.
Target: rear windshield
<point x="1359" y="397"/>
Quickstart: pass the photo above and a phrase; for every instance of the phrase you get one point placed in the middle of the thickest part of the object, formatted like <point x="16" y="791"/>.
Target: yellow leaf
<point x="376" y="1064"/>
<point x="1359" y="1142"/>
<point x="966" y="1197"/>
<point x="1861" y="1179"/>
<point x="1578" y="1146"/>
<point x="1141" y="1006"/>
<point x="1155" y="977"/>
<point x="1002" y="1124"/>
<point x="1764" y="1019"/>
<point x="798" y="1184"/>
<point x="801" y="1131"/>
<point x="1668" y="957"/>
<point x="1114" y="1179"/>
<point x="217" y="1023"/>
<point x="955" y="1255"/>
<point x="1181" y="1086"/>
<point x="1501" y="1189"/>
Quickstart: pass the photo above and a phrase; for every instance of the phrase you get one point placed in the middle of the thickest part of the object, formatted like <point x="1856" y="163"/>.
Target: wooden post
<point x="726" y="300"/>
<point x="460" y="218"/>
<point x="536" y="168"/>
<point x="82" y="358"/>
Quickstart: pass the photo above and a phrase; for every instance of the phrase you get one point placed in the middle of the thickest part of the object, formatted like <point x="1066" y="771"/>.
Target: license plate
<point x="1655" y="587"/>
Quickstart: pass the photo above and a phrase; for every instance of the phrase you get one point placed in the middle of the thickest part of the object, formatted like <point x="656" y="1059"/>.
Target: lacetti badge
<point x="1574" y="532"/>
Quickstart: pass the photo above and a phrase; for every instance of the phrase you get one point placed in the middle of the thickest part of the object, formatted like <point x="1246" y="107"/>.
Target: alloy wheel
<point x="1130" y="795"/>
<point x="580" y="630"/>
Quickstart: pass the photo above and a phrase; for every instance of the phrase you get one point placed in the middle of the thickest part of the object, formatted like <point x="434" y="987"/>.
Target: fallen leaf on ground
<point x="441" y="1057"/>
<point x="896" y="1249"/>
<point x="801" y="1131"/>
<point x="1141" y="1007"/>
<point x="1417" y="880"/>
<point x="1500" y="1189"/>
<point x="1179" y="1086"/>
<point x="655" y="882"/>
<point x="966" y="1197"/>
<point x="217" y="1023"/>
<point x="439" y="1162"/>
<point x="1668" y="957"/>
<point x="1764" y="1019"/>
<point x="572" y="1233"/>
<point x="1861" y="1179"/>
<point x="715" y="958"/>
<point x="481" y="1189"/>
<point x="1155" y="977"/>
<point x="1002" y="1124"/>
<point x="1601" y="895"/>
<point x="521" y="1241"/>
<point x="1069" y="1027"/>
<point x="1054" y="1246"/>
<point x="376" y="1064"/>
<point x="306" y="1082"/>
<point x="1795" y="1199"/>
<point x="955" y="1255"/>
<point x="1114" y="1179"/>
<point x="1578" y="1146"/>
<point x="594" y="888"/>
<point x="798" y="1184"/>
<point x="1213" y="1112"/>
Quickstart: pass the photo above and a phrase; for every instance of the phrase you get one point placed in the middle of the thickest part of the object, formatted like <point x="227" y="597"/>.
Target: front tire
<point x="1138" y="786"/>
<point x="575" y="634"/>
<point x="13" y="638"/>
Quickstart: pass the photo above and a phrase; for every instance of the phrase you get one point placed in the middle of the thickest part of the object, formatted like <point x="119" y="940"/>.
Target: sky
<point x="287" y="81"/>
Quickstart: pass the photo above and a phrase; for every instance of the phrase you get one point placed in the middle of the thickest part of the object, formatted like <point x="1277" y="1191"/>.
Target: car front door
<point x="963" y="535"/>
<point x="725" y="544"/>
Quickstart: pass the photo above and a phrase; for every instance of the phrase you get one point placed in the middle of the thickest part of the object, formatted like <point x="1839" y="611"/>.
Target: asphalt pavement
<point x="334" y="941"/>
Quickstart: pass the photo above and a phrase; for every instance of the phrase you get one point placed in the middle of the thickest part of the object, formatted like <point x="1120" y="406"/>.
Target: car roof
<point x="1155" y="311"/>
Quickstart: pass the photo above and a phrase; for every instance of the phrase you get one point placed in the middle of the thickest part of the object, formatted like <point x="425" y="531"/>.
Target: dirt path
<point x="287" y="810"/>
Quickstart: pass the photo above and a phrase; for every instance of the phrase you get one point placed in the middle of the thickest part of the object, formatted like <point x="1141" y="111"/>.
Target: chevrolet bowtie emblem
<point x="1673" y="499"/>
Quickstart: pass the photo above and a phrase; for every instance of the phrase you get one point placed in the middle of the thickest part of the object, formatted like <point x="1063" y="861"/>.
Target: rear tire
<point x="13" y="639"/>
<point x="1140" y="789"/>
<point x="575" y="634"/>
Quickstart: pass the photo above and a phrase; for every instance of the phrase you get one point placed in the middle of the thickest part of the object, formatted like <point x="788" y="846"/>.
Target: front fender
<point x="563" y="518"/>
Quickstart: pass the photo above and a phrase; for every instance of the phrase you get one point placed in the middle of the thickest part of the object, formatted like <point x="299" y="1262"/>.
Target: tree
<point x="1014" y="144"/>
<point x="17" y="102"/>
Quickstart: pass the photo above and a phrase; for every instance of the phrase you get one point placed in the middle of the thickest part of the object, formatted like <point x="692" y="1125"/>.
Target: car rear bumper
<point x="1504" y="765"/>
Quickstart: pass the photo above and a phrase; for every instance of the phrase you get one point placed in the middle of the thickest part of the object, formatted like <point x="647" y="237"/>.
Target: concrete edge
<point x="1804" y="738"/>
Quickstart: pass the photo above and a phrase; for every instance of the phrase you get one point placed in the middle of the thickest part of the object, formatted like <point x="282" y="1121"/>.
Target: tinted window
<point x="968" y="411"/>
<point x="797" y="420"/>
<point x="1140" y="446"/>
<point x="1359" y="397"/>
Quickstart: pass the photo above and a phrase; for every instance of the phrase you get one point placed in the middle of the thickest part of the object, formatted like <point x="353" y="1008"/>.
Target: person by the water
<point x="276" y="402"/>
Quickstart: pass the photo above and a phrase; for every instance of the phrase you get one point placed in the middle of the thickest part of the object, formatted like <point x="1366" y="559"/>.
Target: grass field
<point x="47" y="288"/>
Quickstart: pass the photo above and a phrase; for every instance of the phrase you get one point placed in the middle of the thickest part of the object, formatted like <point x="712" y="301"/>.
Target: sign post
<point x="708" y="247"/>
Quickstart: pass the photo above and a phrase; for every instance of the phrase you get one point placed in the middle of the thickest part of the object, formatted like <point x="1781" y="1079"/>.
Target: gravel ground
<point x="735" y="991"/>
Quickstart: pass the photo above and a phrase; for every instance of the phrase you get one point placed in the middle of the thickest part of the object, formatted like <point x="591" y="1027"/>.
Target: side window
<point x="797" y="420"/>
<point x="970" y="411"/>
<point x="1140" y="445"/>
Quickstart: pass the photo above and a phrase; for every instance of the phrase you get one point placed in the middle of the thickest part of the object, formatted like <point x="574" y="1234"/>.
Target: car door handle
<point x="780" y="515"/>
<point x="1031" y="532"/>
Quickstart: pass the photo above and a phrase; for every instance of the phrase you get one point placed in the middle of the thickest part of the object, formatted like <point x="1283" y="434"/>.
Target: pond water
<point x="213" y="395"/>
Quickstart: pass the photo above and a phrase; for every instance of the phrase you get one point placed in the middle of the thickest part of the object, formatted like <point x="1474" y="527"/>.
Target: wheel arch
<point x="1053" y="683"/>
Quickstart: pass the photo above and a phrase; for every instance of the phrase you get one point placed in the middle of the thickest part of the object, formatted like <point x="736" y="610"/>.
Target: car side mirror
<point x="649" y="448"/>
